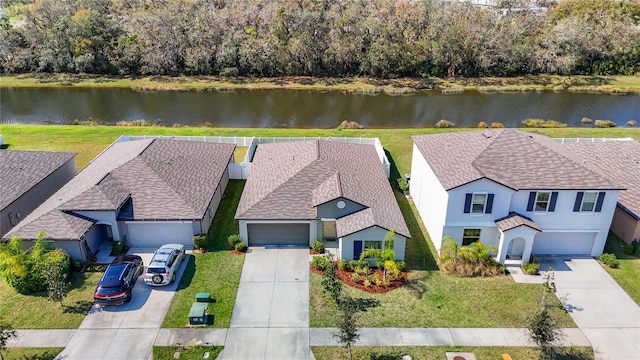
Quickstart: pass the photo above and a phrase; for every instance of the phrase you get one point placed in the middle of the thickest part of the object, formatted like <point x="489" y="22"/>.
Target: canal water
<point x="308" y="109"/>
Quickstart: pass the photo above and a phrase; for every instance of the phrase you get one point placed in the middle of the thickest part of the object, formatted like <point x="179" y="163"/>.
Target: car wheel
<point x="173" y="278"/>
<point x="128" y="296"/>
<point x="157" y="279"/>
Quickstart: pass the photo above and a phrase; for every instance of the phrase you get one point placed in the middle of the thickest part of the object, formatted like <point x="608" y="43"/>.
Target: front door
<point x="357" y="249"/>
<point x="329" y="232"/>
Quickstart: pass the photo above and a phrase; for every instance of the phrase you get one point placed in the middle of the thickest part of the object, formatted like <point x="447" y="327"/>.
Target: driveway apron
<point x="271" y="315"/>
<point x="127" y="331"/>
<point x="604" y="312"/>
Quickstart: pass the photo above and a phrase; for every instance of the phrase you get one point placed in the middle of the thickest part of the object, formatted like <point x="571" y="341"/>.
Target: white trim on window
<point x="541" y="204"/>
<point x="470" y="235"/>
<point x="589" y="199"/>
<point x="479" y="199"/>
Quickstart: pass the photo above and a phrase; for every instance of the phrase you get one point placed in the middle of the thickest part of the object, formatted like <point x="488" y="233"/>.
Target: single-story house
<point x="621" y="160"/>
<point x="302" y="191"/>
<point x="523" y="193"/>
<point x="143" y="192"/>
<point x="27" y="179"/>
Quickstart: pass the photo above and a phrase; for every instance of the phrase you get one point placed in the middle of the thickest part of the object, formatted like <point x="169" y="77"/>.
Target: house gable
<point x="338" y="208"/>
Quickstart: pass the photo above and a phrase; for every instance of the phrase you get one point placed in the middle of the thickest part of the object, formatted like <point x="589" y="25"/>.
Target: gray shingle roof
<point x="288" y="179"/>
<point x="513" y="220"/>
<point x="513" y="158"/>
<point x="620" y="160"/>
<point x="166" y="179"/>
<point x="21" y="170"/>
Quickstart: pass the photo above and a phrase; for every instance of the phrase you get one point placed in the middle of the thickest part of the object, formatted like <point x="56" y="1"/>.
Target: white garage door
<point x="153" y="234"/>
<point x="563" y="243"/>
<point x="278" y="234"/>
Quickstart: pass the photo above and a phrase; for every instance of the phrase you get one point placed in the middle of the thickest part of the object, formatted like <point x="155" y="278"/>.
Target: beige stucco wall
<point x="625" y="226"/>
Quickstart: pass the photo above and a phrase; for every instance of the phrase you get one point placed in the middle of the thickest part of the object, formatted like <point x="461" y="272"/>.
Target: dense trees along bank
<point x="376" y="38"/>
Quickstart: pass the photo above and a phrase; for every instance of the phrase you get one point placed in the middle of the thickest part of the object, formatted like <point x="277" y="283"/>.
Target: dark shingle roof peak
<point x="280" y="187"/>
<point x="618" y="159"/>
<point x="148" y="171"/>
<point x="20" y="170"/>
<point x="514" y="220"/>
<point x="513" y="158"/>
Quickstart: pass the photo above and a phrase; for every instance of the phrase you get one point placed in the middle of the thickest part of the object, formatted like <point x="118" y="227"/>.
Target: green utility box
<point x="203" y="297"/>
<point x="197" y="314"/>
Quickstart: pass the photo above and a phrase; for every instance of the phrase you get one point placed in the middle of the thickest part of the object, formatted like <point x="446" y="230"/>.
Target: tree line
<point x="339" y="38"/>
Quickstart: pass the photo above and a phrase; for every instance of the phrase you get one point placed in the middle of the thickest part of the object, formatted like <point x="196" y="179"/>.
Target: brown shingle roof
<point x="166" y="179"/>
<point x="288" y="179"/>
<point x="620" y="160"/>
<point x="22" y="170"/>
<point x="513" y="158"/>
<point x="513" y="220"/>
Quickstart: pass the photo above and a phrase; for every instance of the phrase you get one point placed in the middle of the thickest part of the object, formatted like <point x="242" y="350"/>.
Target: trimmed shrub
<point x="232" y="240"/>
<point x="318" y="247"/>
<point x="391" y="268"/>
<point x="610" y="260"/>
<point x="350" y="125"/>
<point x="320" y="263"/>
<point x="199" y="241"/>
<point x="353" y="264"/>
<point x="355" y="277"/>
<point x="239" y="246"/>
<point x="604" y="124"/>
<point x="540" y="123"/>
<point x="531" y="268"/>
<point x="444" y="124"/>
<point x="343" y="265"/>
<point x="401" y="265"/>
<point x="497" y="125"/>
<point x="483" y="125"/>
<point x="402" y="184"/>
<point x="586" y="120"/>
<point x="629" y="249"/>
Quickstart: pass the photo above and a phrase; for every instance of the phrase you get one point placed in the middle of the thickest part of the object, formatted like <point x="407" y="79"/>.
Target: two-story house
<point x="520" y="192"/>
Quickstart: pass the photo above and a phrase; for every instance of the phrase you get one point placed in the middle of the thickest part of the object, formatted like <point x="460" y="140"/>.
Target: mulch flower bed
<point x="238" y="252"/>
<point x="345" y="276"/>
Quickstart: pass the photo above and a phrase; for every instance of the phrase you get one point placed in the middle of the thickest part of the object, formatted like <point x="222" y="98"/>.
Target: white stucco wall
<point x="501" y="202"/>
<point x="429" y="196"/>
<point x="563" y="220"/>
<point x="373" y="233"/>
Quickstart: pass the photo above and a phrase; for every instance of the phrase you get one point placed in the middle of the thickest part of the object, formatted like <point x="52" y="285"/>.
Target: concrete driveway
<point x="604" y="312"/>
<point x="114" y="332"/>
<point x="271" y="315"/>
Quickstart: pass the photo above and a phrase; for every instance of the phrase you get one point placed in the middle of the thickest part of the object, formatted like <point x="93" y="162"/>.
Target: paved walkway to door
<point x="604" y="312"/>
<point x="271" y="315"/>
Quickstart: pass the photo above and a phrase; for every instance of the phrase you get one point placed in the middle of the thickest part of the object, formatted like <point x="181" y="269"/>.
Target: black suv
<point x="118" y="280"/>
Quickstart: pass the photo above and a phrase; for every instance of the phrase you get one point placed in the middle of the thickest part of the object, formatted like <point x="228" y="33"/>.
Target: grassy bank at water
<point x="404" y="86"/>
<point x="89" y="141"/>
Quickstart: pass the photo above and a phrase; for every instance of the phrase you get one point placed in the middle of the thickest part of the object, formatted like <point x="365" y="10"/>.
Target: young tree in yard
<point x="347" y="333"/>
<point x="56" y="278"/>
<point x="331" y="285"/>
<point x="543" y="328"/>
<point x="6" y="334"/>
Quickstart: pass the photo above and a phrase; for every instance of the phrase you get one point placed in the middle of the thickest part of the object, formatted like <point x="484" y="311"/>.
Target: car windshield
<point x="155" y="270"/>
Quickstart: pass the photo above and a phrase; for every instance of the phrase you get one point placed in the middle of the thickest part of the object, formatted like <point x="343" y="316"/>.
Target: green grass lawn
<point x="36" y="311"/>
<point x="89" y="141"/>
<point x="628" y="273"/>
<point x="216" y="271"/>
<point x="31" y="353"/>
<point x="432" y="298"/>
<point x="438" y="352"/>
<point x="192" y="353"/>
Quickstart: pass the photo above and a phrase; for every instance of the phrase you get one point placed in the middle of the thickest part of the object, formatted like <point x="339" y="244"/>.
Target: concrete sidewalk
<point x="441" y="337"/>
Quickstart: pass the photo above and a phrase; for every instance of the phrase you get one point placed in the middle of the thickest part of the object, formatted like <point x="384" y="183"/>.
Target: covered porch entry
<point x="516" y="237"/>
